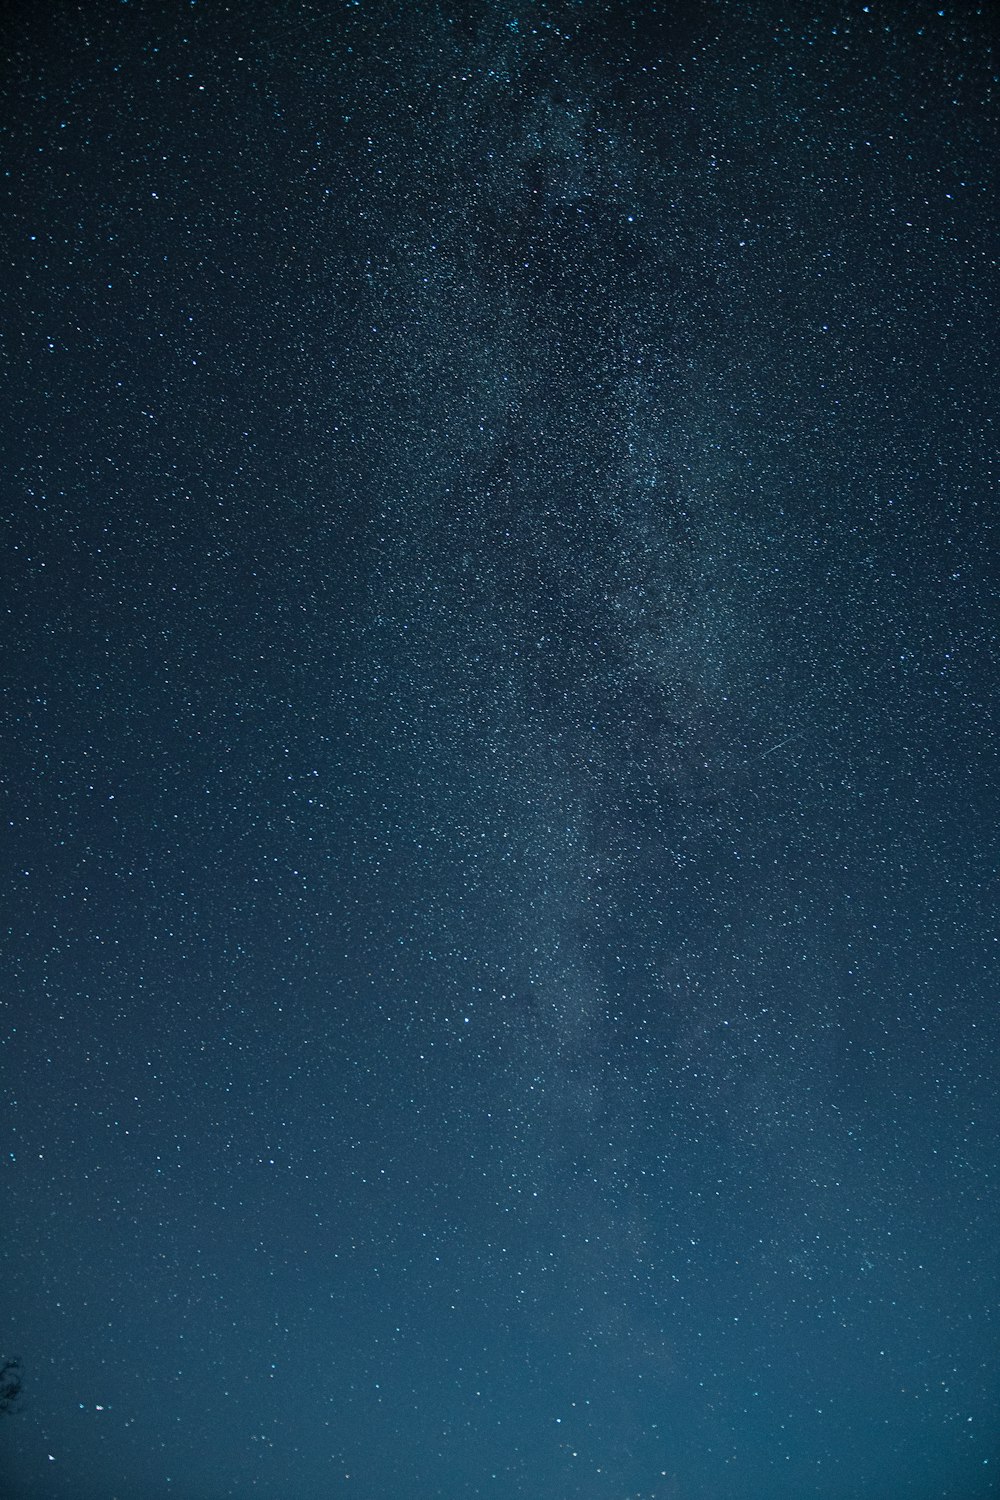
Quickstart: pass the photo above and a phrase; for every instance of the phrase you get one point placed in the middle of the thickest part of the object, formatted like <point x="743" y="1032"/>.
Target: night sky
<point x="499" y="890"/>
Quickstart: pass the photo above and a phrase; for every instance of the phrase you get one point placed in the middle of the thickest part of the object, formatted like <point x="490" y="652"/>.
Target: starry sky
<point x="500" y="776"/>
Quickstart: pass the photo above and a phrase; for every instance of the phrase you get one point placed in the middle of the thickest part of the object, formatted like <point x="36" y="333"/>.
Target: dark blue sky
<point x="500" y="763"/>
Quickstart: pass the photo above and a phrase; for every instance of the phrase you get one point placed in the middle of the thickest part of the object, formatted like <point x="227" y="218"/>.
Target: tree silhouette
<point x="10" y="1384"/>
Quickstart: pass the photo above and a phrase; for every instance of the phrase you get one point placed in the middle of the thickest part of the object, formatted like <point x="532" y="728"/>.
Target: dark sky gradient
<point x="500" y="755"/>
